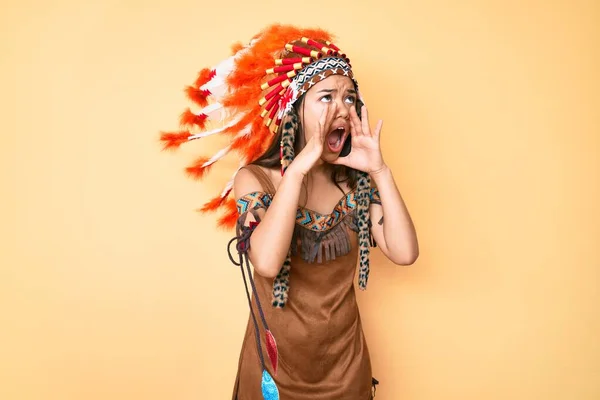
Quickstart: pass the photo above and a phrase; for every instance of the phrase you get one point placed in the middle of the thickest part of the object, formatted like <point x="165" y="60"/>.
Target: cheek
<point x="310" y="118"/>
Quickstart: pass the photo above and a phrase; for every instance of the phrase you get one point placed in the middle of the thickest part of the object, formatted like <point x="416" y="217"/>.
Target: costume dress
<point x="323" y="353"/>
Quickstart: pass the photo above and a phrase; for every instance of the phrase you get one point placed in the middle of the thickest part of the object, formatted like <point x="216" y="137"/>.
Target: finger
<point x="345" y="161"/>
<point x="321" y="123"/>
<point x="365" y="121"/>
<point x="355" y="124"/>
<point x="377" y="131"/>
<point x="331" y="112"/>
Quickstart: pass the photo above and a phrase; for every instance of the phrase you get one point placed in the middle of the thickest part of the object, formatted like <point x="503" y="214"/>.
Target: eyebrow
<point x="335" y="90"/>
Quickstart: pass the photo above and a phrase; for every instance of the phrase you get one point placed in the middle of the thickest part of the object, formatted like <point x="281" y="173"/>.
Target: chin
<point x="330" y="157"/>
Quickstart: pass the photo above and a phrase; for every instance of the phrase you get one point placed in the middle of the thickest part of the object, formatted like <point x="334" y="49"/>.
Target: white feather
<point x="208" y="133"/>
<point x="225" y="67"/>
<point x="221" y="129"/>
<point x="214" y="112"/>
<point x="229" y="185"/>
<point x="220" y="154"/>
<point x="216" y="86"/>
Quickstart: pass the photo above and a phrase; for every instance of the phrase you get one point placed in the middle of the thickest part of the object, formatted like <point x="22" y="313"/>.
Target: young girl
<point x="314" y="195"/>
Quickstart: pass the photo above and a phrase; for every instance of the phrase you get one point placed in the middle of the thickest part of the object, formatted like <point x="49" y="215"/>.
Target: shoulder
<point x="252" y="179"/>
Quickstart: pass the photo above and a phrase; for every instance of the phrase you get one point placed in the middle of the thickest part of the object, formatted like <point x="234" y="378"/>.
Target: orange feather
<point x="197" y="171"/>
<point x="236" y="47"/>
<point x="189" y="118"/>
<point x="198" y="96"/>
<point x="172" y="140"/>
<point x="204" y="76"/>
<point x="213" y="205"/>
<point x="230" y="217"/>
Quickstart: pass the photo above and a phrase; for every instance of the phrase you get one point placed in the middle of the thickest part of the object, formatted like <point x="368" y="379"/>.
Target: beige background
<point x="112" y="287"/>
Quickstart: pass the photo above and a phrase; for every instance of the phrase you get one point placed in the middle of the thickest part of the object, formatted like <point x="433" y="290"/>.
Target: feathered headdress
<point x="245" y="98"/>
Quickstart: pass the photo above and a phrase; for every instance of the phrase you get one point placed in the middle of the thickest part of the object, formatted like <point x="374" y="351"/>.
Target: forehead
<point x="335" y="82"/>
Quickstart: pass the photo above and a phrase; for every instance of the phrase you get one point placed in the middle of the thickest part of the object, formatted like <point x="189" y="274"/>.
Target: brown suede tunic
<point x="323" y="354"/>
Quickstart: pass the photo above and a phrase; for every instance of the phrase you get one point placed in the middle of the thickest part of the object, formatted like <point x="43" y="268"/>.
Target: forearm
<point x="271" y="239"/>
<point x="400" y="239"/>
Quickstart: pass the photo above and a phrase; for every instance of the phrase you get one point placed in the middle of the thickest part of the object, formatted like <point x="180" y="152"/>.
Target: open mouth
<point x="335" y="139"/>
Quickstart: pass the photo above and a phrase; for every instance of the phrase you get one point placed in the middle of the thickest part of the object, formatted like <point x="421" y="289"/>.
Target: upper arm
<point x="246" y="183"/>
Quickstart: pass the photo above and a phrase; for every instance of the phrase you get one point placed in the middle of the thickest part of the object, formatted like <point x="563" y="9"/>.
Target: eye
<point x="350" y="99"/>
<point x="326" y="98"/>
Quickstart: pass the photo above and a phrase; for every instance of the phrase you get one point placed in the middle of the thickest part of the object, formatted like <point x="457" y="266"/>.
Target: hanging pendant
<point x="272" y="350"/>
<point x="269" y="388"/>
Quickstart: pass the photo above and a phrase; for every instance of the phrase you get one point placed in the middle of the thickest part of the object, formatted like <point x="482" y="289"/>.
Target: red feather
<point x="189" y="118"/>
<point x="272" y="350"/>
<point x="172" y="140"/>
<point x="197" y="171"/>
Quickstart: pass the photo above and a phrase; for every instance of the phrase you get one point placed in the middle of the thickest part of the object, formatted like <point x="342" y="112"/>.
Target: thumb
<point x="341" y="161"/>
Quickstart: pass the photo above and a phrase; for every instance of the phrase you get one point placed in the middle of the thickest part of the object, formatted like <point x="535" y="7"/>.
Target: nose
<point x="343" y="109"/>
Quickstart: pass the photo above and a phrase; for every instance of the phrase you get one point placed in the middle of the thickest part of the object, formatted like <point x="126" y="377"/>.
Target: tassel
<point x="269" y="388"/>
<point x="272" y="350"/>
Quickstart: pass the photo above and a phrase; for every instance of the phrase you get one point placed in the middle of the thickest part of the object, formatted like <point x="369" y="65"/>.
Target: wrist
<point x="293" y="174"/>
<point x="379" y="171"/>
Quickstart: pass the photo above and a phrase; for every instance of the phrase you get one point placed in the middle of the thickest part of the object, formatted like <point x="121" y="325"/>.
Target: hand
<point x="366" y="150"/>
<point x="311" y="153"/>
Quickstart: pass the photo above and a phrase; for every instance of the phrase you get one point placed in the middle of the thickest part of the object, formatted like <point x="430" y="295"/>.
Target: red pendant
<point x="272" y="350"/>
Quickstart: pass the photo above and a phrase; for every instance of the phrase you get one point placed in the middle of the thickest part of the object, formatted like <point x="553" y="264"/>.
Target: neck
<point x="320" y="168"/>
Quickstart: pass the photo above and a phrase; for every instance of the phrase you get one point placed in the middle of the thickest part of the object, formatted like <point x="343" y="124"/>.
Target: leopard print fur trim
<point x="288" y="134"/>
<point x="364" y="234"/>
